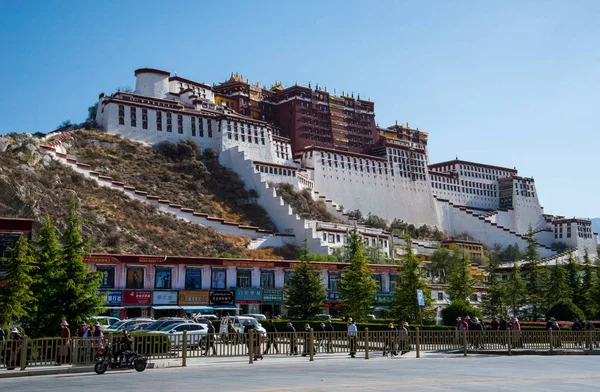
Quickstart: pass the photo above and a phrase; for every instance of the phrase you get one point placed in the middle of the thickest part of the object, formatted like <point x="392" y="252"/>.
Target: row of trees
<point x="47" y="281"/>
<point x="305" y="292"/>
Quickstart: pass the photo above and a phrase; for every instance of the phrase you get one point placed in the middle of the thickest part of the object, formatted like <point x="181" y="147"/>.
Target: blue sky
<point x="508" y="83"/>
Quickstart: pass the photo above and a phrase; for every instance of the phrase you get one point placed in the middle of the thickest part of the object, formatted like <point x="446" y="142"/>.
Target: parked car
<point x="127" y="324"/>
<point x="257" y="316"/>
<point x="238" y="323"/>
<point x="322" y="316"/>
<point x="105" y="321"/>
<point x="211" y="317"/>
<point x="196" y="334"/>
<point x="160" y="324"/>
<point x="138" y="327"/>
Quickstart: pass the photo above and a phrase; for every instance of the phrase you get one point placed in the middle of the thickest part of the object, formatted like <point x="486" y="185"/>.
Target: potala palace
<point x="332" y="146"/>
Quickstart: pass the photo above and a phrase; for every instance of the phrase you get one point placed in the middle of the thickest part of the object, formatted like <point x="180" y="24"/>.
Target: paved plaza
<point x="432" y="373"/>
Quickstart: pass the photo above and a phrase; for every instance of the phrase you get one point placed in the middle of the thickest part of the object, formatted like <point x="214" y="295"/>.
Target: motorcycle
<point x="126" y="360"/>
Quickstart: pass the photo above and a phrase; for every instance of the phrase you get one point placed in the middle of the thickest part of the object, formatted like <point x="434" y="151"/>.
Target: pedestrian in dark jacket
<point x="210" y="338"/>
<point x="271" y="337"/>
<point x="293" y="339"/>
<point x="15" y="349"/>
<point x="330" y="329"/>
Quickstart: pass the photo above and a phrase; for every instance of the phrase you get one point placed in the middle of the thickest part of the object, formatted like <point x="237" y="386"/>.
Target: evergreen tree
<point x="460" y="281"/>
<point x="406" y="303"/>
<point x="304" y="292"/>
<point x="534" y="276"/>
<point x="494" y="301"/>
<point x="587" y="285"/>
<point x="357" y="286"/>
<point x="515" y="290"/>
<point x="442" y="261"/>
<point x="77" y="296"/>
<point x="557" y="287"/>
<point x="574" y="280"/>
<point x="46" y="253"/>
<point x="15" y="294"/>
<point x="595" y="290"/>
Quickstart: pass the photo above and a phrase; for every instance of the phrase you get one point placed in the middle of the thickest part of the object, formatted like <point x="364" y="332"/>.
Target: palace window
<point x="121" y="115"/>
<point x="158" y="121"/>
<point x="267" y="279"/>
<point x="244" y="278"/>
<point x="132" y="112"/>
<point x="209" y="128"/>
<point x="169" y="122"/>
<point x="144" y="118"/>
<point x="108" y="277"/>
<point x="201" y="127"/>
<point x="193" y="119"/>
<point x="218" y="279"/>
<point x="179" y="123"/>
<point x="333" y="281"/>
<point x="193" y="279"/>
<point x="162" y="278"/>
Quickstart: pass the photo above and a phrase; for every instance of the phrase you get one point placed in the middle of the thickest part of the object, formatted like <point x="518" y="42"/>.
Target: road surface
<point x="474" y="373"/>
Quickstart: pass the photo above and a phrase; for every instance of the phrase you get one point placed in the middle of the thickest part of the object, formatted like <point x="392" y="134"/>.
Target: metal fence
<point x="57" y="351"/>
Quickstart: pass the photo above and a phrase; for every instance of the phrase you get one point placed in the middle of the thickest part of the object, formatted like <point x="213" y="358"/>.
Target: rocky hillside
<point x="32" y="184"/>
<point x="176" y="172"/>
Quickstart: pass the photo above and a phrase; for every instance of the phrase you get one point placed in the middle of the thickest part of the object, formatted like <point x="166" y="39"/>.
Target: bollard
<point x="464" y="342"/>
<point x="250" y="346"/>
<point x="367" y="343"/>
<point x="311" y="344"/>
<point x="418" y="342"/>
<point x="551" y="341"/>
<point x="24" y="353"/>
<point x="508" y="341"/>
<point x="184" y="349"/>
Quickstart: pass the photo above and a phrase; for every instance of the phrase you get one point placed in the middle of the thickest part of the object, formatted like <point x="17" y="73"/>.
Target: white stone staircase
<point x="459" y="219"/>
<point x="281" y="213"/>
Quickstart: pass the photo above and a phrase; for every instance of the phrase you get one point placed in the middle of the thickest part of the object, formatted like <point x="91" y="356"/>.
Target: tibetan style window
<point x="169" y="122"/>
<point x="108" y="277"/>
<point x="209" y="128"/>
<point x="162" y="278"/>
<point x="179" y="123"/>
<point x="333" y="281"/>
<point x="218" y="279"/>
<point x="121" y="115"/>
<point x="267" y="279"/>
<point x="144" y="118"/>
<point x="159" y="121"/>
<point x="193" y="279"/>
<point x="132" y="114"/>
<point x="135" y="278"/>
<point x="193" y="120"/>
<point x="244" y="278"/>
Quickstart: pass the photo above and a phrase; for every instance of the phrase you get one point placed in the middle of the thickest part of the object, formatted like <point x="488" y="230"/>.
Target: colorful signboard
<point x="113" y="297"/>
<point x="137" y="297"/>
<point x="221" y="297"/>
<point x="248" y="295"/>
<point x="333" y="296"/>
<point x="187" y="297"/>
<point x="272" y="296"/>
<point x="383" y="298"/>
<point x="164" y="298"/>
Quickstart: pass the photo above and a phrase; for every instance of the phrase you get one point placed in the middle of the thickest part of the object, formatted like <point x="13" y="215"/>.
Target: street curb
<point x="535" y="352"/>
<point x="45" y="372"/>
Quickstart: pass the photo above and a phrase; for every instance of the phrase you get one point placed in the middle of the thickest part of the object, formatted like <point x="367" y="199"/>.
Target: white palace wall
<point x="384" y="195"/>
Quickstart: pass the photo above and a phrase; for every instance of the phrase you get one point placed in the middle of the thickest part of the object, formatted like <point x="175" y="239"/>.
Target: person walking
<point x="272" y="337"/>
<point x="577" y="327"/>
<point x="231" y="332"/>
<point x="352" y="333"/>
<point x="210" y="338"/>
<point x="293" y="339"/>
<point x="330" y="332"/>
<point x="404" y="343"/>
<point x="589" y="326"/>
<point x="64" y="348"/>
<point x="15" y="348"/>
<point x="306" y="346"/>
<point x="390" y="340"/>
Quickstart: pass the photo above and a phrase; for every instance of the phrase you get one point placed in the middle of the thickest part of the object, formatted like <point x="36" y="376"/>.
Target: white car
<point x="105" y="321"/>
<point x="196" y="334"/>
<point x="256" y="316"/>
<point x="238" y="323"/>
